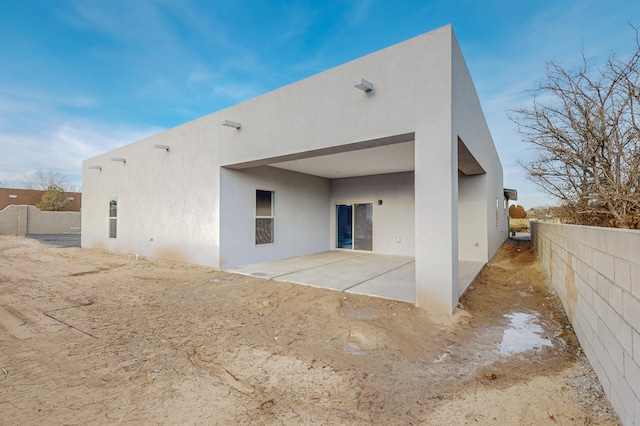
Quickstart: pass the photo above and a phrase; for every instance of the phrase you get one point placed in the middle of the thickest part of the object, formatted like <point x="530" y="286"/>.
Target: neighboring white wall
<point x="167" y="201"/>
<point x="301" y="219"/>
<point x="596" y="273"/>
<point x="392" y="220"/>
<point x="22" y="220"/>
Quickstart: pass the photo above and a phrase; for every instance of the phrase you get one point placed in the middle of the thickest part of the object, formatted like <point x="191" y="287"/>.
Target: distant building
<point x="31" y="197"/>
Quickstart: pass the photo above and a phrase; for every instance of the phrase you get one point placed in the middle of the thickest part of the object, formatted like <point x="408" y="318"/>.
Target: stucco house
<point x="387" y="154"/>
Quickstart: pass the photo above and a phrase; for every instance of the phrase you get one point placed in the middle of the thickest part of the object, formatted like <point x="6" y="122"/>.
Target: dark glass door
<point x="344" y="226"/>
<point x="354" y="226"/>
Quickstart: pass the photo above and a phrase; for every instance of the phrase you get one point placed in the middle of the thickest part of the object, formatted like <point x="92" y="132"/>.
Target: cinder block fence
<point x="22" y="220"/>
<point x="596" y="274"/>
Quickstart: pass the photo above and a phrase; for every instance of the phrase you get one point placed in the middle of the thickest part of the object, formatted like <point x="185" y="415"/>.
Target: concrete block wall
<point x="596" y="274"/>
<point x="13" y="220"/>
<point x="22" y="220"/>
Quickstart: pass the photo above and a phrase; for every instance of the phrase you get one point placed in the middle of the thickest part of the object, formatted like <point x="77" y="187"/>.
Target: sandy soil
<point x="89" y="337"/>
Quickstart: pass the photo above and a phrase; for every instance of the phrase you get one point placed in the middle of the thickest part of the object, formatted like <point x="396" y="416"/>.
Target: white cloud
<point x="297" y="20"/>
<point x="236" y="92"/>
<point x="61" y="147"/>
<point x="166" y="61"/>
<point x="199" y="75"/>
<point x="359" y="12"/>
<point x="503" y="72"/>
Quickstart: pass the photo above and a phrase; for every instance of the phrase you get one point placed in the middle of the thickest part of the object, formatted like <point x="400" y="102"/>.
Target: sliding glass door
<point x="363" y="227"/>
<point x="354" y="226"/>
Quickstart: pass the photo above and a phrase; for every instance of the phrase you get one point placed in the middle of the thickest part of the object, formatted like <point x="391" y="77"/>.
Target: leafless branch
<point x="44" y="179"/>
<point x="584" y="126"/>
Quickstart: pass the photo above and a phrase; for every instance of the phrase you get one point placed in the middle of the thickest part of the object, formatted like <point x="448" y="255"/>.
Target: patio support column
<point x="436" y="220"/>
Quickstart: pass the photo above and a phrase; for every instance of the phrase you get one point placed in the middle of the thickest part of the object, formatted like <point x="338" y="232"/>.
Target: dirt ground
<point x="89" y="337"/>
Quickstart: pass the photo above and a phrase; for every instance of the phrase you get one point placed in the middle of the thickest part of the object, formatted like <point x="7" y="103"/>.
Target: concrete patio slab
<point x="396" y="284"/>
<point x="389" y="277"/>
<point x="278" y="268"/>
<point x="349" y="272"/>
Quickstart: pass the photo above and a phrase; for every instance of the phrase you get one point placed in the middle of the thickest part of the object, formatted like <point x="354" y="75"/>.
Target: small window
<point x="497" y="212"/>
<point x="265" y="217"/>
<point x="113" y="218"/>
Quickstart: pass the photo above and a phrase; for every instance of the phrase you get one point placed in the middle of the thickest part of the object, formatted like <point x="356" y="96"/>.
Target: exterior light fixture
<point x="95" y="168"/>
<point x="230" y="123"/>
<point x="511" y="194"/>
<point x="363" y="85"/>
<point x="165" y="147"/>
<point x="119" y="159"/>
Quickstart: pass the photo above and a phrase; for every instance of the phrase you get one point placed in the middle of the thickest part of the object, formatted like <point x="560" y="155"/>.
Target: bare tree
<point x="584" y="127"/>
<point x="45" y="179"/>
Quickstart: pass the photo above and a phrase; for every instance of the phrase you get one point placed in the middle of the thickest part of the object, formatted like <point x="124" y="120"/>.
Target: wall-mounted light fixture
<point x="230" y="123"/>
<point x="119" y="159"/>
<point x="363" y="85"/>
<point x="13" y="196"/>
<point x="165" y="147"/>
<point x="95" y="168"/>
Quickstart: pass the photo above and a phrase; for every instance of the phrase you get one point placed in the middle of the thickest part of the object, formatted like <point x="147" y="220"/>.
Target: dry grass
<point x="519" y="225"/>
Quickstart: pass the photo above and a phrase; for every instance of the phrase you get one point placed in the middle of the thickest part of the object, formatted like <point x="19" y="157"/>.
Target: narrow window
<point x="497" y="212"/>
<point x="113" y="219"/>
<point x="265" y="217"/>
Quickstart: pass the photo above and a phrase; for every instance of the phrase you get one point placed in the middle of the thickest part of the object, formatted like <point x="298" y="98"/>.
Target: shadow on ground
<point x="57" y="240"/>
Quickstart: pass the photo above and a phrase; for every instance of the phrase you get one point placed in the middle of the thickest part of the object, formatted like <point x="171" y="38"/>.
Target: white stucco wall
<point x="301" y="219"/>
<point x="180" y="204"/>
<point x="393" y="219"/>
<point x="412" y="93"/>
<point x="472" y="215"/>
<point x="411" y="85"/>
<point x="167" y="201"/>
<point x="468" y="124"/>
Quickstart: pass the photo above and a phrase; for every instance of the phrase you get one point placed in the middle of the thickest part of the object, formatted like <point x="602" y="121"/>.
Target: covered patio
<point x="385" y="276"/>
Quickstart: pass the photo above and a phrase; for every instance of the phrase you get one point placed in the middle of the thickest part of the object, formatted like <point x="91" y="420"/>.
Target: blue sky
<point x="78" y="78"/>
